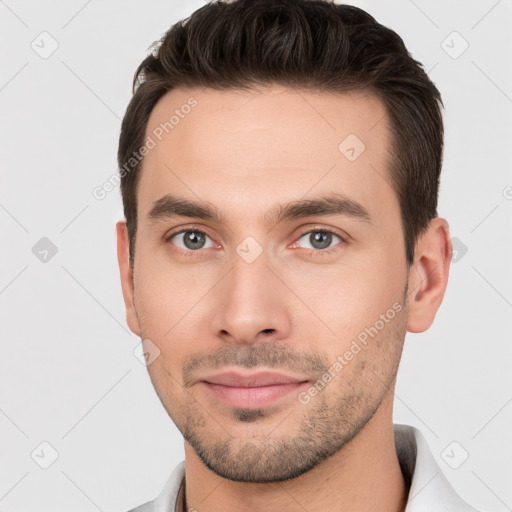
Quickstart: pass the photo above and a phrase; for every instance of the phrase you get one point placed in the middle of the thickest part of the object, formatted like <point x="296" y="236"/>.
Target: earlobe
<point x="428" y="276"/>
<point x="126" y="273"/>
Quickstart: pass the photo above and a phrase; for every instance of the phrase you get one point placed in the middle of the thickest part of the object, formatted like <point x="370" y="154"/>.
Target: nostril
<point x="266" y="331"/>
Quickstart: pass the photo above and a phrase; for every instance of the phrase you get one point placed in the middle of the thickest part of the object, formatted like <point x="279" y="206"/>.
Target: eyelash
<point x="321" y="229"/>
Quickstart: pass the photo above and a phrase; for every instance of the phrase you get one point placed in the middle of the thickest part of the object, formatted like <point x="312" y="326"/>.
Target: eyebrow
<point x="170" y="206"/>
<point x="332" y="204"/>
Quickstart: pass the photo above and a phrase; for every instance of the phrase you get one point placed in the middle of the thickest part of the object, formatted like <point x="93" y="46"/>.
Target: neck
<point x="363" y="476"/>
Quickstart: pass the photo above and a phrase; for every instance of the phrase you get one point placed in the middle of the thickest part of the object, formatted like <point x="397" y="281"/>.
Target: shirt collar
<point x="429" y="488"/>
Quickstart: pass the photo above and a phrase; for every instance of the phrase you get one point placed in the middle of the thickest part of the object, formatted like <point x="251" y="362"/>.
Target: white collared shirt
<point x="429" y="491"/>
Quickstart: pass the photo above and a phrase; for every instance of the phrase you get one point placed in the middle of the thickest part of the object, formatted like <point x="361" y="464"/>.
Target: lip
<point x="250" y="391"/>
<point x="253" y="380"/>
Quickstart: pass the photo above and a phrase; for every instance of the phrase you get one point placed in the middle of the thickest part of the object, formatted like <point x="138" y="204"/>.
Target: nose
<point x="251" y="306"/>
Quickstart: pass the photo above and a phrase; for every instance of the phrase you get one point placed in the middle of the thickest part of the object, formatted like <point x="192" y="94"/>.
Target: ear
<point x="126" y="271"/>
<point x="428" y="275"/>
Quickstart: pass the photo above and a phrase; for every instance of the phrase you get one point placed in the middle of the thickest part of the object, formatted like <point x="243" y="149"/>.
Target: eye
<point x="318" y="240"/>
<point x="191" y="240"/>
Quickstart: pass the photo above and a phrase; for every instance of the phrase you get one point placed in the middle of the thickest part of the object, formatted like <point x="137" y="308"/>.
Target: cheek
<point x="348" y="297"/>
<point x="166" y="293"/>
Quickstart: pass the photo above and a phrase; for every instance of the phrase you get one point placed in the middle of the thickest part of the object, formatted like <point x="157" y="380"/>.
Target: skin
<point x="294" y="309"/>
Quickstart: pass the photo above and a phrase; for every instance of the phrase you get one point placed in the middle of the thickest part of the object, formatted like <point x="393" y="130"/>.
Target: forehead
<point x="257" y="146"/>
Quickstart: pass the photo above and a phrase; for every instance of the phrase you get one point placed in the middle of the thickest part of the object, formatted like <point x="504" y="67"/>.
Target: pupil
<point x="193" y="240"/>
<point x="320" y="239"/>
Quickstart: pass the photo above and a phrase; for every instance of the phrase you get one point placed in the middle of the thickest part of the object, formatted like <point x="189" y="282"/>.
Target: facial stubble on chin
<point x="274" y="458"/>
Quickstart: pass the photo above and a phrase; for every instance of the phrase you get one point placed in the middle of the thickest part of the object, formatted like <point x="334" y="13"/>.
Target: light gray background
<point x="69" y="375"/>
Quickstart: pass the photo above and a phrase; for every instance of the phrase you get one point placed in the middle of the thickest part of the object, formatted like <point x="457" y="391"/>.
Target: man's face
<point x="304" y="266"/>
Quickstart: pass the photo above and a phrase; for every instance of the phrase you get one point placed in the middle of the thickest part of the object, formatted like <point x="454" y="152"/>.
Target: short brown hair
<point x="307" y="44"/>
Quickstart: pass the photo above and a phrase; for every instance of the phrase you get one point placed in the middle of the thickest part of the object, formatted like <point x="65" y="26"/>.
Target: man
<point x="280" y="165"/>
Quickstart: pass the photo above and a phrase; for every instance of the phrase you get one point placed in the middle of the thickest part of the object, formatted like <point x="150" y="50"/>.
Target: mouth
<point x="251" y="391"/>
